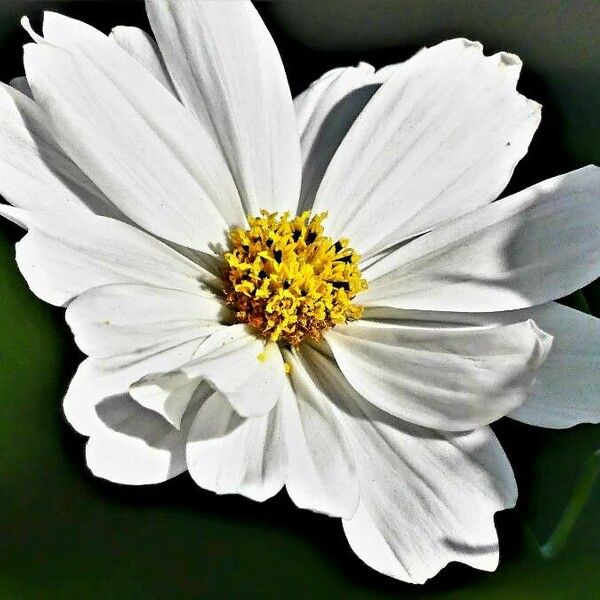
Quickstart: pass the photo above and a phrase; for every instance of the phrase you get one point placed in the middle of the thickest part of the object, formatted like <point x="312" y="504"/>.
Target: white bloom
<point x="130" y="161"/>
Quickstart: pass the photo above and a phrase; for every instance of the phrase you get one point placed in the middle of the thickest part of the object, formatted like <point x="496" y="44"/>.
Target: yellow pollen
<point x="288" y="280"/>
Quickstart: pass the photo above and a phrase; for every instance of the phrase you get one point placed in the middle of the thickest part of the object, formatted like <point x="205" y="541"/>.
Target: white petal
<point x="34" y="172"/>
<point x="135" y="446"/>
<point x="143" y="48"/>
<point x="168" y="395"/>
<point x="248" y="371"/>
<point x="440" y="137"/>
<point x="567" y="389"/>
<point x="324" y="112"/>
<point x="453" y="379"/>
<point x="113" y="320"/>
<point x="526" y="249"/>
<point x="322" y="475"/>
<point x="64" y="255"/>
<point x="229" y="454"/>
<point x="98" y="379"/>
<point x="426" y="498"/>
<point x="131" y="136"/>
<point x="227" y="69"/>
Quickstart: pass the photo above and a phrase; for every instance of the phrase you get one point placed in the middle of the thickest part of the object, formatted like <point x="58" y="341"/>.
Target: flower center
<point x="288" y="280"/>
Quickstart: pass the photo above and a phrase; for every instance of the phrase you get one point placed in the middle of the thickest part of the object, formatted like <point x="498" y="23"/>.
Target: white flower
<point x="133" y="163"/>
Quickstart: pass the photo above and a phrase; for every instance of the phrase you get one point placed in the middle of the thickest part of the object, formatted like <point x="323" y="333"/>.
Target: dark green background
<point x="65" y="534"/>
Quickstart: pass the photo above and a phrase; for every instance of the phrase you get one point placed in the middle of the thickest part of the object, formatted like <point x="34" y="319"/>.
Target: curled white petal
<point x="452" y="379"/>
<point x="248" y="371"/>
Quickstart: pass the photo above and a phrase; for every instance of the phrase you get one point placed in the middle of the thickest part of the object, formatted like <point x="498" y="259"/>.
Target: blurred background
<point x="65" y="534"/>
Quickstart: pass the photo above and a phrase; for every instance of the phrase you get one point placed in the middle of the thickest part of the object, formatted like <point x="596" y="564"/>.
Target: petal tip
<point x="26" y="25"/>
<point x="471" y="44"/>
<point x="507" y="59"/>
<point x="545" y="341"/>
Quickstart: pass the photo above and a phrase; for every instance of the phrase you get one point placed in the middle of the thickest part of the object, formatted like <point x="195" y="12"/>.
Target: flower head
<point x="289" y="280"/>
<point x="319" y="293"/>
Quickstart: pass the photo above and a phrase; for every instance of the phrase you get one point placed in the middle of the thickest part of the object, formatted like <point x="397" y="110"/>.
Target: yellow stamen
<point x="288" y="280"/>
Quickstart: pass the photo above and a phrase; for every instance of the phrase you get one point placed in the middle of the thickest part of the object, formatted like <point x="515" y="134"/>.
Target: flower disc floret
<point x="287" y="279"/>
